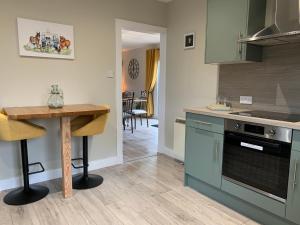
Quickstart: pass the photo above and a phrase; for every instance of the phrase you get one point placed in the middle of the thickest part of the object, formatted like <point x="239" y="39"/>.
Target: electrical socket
<point x="246" y="100"/>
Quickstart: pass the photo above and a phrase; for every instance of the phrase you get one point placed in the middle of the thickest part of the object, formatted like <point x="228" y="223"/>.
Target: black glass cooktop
<point x="271" y="115"/>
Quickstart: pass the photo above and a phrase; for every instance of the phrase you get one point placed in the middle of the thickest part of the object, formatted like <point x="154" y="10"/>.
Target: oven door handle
<point x="252" y="146"/>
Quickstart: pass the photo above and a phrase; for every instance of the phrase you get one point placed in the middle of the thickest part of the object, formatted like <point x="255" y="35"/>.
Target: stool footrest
<point x="39" y="171"/>
<point x="77" y="167"/>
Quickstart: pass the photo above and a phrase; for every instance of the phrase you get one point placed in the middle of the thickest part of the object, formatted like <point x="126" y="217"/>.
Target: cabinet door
<point x="203" y="155"/>
<point x="226" y="22"/>
<point x="293" y="201"/>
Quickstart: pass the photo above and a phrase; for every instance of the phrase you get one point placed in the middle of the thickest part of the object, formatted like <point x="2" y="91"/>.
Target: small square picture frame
<point x="189" y="41"/>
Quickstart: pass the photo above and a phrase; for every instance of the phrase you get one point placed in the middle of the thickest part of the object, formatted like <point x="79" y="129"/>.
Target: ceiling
<point x="133" y="39"/>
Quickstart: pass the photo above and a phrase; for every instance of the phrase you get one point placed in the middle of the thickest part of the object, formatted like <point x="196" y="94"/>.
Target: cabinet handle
<point x="201" y="122"/>
<point x="240" y="35"/>
<point x="217" y="150"/>
<point x="295" y="175"/>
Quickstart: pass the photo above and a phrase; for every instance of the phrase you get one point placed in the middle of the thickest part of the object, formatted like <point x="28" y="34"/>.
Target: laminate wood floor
<point x="142" y="143"/>
<point x="142" y="192"/>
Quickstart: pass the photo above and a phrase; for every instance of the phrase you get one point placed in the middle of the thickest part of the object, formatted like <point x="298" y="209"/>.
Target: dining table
<point x="65" y="114"/>
<point x="135" y="100"/>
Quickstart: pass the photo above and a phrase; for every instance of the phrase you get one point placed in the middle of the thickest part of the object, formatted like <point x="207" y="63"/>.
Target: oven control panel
<point x="272" y="132"/>
<point x="237" y="126"/>
<point x="260" y="130"/>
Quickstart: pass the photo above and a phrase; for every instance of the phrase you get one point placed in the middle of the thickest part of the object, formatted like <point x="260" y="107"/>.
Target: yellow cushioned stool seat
<point x="84" y="126"/>
<point x="15" y="130"/>
<point x="88" y="125"/>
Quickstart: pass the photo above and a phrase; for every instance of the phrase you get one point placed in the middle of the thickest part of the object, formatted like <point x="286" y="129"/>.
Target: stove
<point x="271" y="115"/>
<point x="257" y="156"/>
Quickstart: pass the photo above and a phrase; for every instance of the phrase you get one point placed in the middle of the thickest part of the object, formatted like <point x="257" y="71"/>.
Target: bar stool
<point x="13" y="130"/>
<point x="84" y="126"/>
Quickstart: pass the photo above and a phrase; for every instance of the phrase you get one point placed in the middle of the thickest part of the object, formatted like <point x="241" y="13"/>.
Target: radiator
<point x="179" y="138"/>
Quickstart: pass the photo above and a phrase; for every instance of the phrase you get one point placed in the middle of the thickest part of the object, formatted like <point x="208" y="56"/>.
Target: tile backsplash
<point x="274" y="83"/>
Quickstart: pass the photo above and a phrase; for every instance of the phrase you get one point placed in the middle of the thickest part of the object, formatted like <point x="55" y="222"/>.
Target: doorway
<point x="133" y="40"/>
<point x="140" y="72"/>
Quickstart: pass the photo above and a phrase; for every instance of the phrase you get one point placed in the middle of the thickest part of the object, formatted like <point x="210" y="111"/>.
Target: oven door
<point x="257" y="163"/>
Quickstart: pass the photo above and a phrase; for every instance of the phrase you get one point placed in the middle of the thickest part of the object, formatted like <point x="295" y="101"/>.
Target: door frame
<point x="140" y="27"/>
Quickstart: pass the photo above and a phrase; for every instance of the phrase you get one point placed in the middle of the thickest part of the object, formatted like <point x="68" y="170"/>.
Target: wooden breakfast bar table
<point x="65" y="114"/>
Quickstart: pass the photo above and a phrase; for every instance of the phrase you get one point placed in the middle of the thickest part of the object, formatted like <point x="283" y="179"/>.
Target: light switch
<point x="109" y="74"/>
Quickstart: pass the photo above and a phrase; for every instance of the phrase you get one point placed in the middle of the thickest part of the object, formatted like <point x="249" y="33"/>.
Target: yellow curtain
<point x="152" y="59"/>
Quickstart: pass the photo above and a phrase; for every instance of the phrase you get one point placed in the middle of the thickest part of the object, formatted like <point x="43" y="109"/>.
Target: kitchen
<point x="244" y="150"/>
<point x="236" y="82"/>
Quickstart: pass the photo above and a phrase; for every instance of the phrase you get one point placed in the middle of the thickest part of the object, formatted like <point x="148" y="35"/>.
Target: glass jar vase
<point x="56" y="98"/>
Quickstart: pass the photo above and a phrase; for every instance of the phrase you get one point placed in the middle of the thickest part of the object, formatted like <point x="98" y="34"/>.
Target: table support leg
<point x="65" y="126"/>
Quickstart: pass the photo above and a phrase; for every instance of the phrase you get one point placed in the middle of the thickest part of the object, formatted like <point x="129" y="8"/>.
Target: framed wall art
<point x="189" y="41"/>
<point x="45" y="39"/>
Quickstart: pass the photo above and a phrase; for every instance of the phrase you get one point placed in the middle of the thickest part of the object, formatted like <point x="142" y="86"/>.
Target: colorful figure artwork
<point x="43" y="39"/>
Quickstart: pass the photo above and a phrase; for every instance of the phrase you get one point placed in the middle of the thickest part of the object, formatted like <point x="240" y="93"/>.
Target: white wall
<point x="189" y="81"/>
<point x="26" y="81"/>
<point x="138" y="84"/>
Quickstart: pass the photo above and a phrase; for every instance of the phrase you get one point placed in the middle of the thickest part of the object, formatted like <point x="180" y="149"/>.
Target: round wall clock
<point x="133" y="69"/>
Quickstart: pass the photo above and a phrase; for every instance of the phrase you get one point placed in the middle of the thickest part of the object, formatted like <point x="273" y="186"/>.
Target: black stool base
<point x="22" y="197"/>
<point x="81" y="182"/>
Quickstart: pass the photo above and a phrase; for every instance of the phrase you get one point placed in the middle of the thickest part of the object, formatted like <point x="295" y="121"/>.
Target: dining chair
<point x="14" y="130"/>
<point x="143" y="103"/>
<point x="85" y="126"/>
<point x="127" y="94"/>
<point x="144" y="94"/>
<point x="127" y="110"/>
<point x="142" y="111"/>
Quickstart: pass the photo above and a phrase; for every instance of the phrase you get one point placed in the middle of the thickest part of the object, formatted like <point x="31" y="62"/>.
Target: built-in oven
<point x="257" y="157"/>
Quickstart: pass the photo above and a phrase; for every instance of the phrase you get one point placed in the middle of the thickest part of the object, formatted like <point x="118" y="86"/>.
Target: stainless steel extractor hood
<point x="285" y="25"/>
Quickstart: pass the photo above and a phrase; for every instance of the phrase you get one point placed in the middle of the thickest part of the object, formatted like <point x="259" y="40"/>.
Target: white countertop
<point x="227" y="115"/>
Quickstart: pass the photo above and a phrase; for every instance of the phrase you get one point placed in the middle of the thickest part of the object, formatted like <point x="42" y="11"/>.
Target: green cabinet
<point x="296" y="140"/>
<point x="203" y="155"/>
<point x="257" y="199"/>
<point x="204" y="122"/>
<point x="228" y="21"/>
<point x="293" y="200"/>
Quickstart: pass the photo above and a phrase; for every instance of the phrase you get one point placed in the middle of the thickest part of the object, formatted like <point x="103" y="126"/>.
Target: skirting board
<point x="169" y="152"/>
<point x="56" y="173"/>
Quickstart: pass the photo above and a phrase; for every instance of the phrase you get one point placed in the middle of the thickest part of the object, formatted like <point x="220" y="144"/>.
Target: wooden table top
<point x="44" y="112"/>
